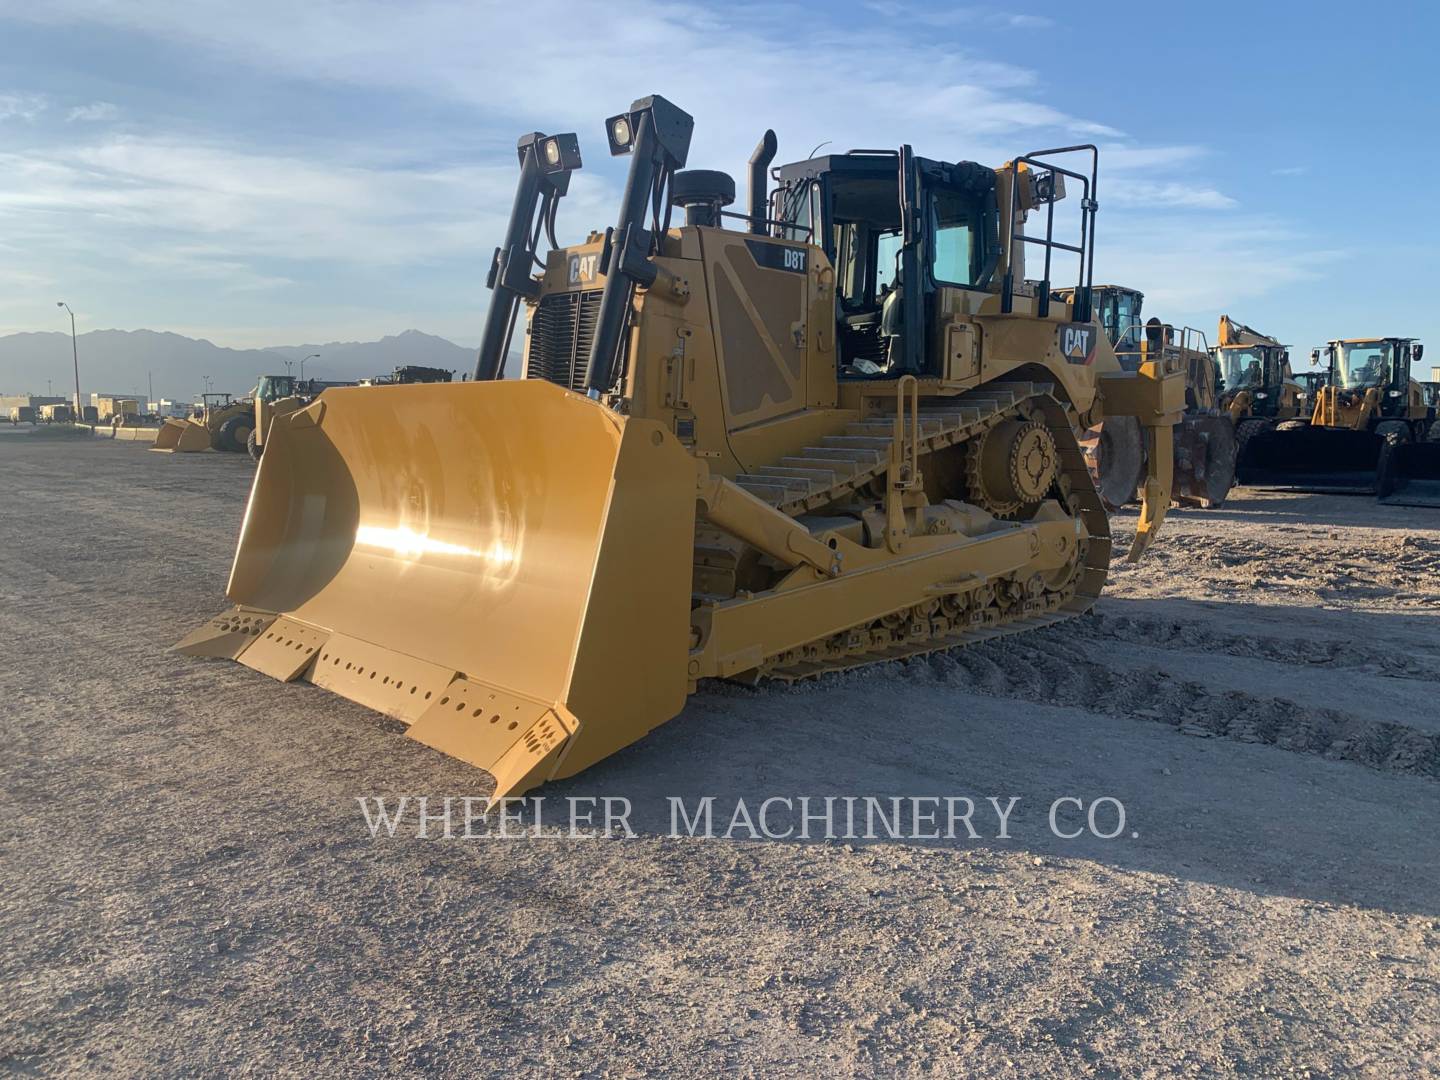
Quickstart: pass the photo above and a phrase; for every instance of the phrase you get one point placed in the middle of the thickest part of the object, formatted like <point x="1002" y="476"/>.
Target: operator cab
<point x="1382" y="363"/>
<point x="852" y="206"/>
<point x="274" y="387"/>
<point x="1119" y="310"/>
<point x="1252" y="367"/>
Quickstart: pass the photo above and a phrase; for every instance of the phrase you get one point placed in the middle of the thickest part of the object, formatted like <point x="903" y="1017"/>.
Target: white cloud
<point x="738" y="72"/>
<point x="96" y="110"/>
<point x="22" y="106"/>
<point x="957" y="16"/>
<point x="1191" y="270"/>
<point x="204" y="205"/>
<point x="1127" y="191"/>
<point x="175" y="210"/>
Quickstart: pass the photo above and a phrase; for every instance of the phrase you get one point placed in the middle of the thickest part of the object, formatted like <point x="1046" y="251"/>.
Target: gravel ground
<point x="190" y="886"/>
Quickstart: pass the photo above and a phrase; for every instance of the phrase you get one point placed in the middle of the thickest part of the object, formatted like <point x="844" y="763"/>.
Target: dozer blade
<point x="1411" y="475"/>
<point x="1312" y="459"/>
<point x="1115" y="455"/>
<point x="1204" y="460"/>
<point x="182" y="437"/>
<point x="505" y="566"/>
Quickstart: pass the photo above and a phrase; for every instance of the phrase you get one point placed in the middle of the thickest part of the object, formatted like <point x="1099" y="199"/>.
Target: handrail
<point x="1086" y="247"/>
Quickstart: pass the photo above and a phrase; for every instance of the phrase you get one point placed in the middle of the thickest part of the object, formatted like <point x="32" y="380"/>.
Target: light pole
<point x="75" y="355"/>
<point x="312" y="356"/>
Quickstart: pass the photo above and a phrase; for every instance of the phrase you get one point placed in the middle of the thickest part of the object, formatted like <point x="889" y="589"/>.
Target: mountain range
<point x="133" y="361"/>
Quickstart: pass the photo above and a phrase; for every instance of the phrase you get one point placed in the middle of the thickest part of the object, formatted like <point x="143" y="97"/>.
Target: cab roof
<point x="882" y="163"/>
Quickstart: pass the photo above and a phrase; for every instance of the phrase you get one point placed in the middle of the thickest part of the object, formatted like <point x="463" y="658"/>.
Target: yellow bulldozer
<point x="837" y="429"/>
<point x="221" y="423"/>
<point x="1369" y="431"/>
<point x="1204" y="440"/>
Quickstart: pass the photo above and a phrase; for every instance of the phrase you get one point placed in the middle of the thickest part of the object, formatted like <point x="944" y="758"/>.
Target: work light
<point x="560" y="153"/>
<point x="620" y="133"/>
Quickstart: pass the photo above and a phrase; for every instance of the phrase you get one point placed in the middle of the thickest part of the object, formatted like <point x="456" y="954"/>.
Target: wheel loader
<point x="1310" y="384"/>
<point x="1204" y="440"/>
<point x="222" y="423"/>
<point x="837" y="429"/>
<point x="1410" y="468"/>
<point x="1258" y="390"/>
<point x="279" y="395"/>
<point x="1368" y="410"/>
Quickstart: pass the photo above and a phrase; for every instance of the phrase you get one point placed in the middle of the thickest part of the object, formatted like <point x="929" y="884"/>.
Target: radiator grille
<point x="561" y="330"/>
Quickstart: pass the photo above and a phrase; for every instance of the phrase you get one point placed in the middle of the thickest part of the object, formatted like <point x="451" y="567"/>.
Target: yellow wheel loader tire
<point x="253" y="447"/>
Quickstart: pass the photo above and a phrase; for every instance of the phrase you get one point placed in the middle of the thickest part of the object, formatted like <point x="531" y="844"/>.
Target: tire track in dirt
<point x="1186" y="636"/>
<point x="1047" y="667"/>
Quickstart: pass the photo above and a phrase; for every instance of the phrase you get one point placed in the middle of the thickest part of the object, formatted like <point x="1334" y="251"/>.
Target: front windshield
<point x="274" y="387"/>
<point x="1242" y="368"/>
<point x="1119" y="310"/>
<point x="1363" y="364"/>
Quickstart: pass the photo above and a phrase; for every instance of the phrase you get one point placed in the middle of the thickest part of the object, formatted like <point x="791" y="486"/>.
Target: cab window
<point x="887" y="251"/>
<point x="960" y="228"/>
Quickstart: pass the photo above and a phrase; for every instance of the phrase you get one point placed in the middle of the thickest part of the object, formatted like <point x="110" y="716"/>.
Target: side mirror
<point x="1417" y="351"/>
<point x="1315" y="357"/>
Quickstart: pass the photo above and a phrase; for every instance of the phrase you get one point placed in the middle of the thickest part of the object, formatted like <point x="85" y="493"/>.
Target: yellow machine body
<point x="208" y="431"/>
<point x="532" y="578"/>
<point x="1204" y="439"/>
<point x="1370" y="430"/>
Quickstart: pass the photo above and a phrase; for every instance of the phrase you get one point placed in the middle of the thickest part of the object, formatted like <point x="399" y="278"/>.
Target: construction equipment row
<point x="1360" y="424"/>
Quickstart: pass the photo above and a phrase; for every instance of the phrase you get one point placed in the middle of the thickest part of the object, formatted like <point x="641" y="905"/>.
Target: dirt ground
<point x="190" y="886"/>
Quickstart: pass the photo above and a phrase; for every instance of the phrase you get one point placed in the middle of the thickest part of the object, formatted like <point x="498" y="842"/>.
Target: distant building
<point x="28" y="401"/>
<point x="108" y="405"/>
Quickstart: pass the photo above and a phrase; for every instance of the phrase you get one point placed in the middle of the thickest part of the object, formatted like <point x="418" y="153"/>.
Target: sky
<point x="265" y="173"/>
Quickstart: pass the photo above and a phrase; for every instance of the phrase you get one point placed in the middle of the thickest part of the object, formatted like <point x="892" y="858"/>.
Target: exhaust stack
<point x="759" y="182"/>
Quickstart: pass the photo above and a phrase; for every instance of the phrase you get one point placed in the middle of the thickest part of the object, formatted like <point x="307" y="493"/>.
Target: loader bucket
<point x="1411" y="475"/>
<point x="505" y="566"/>
<point x="1204" y="460"/>
<point x="182" y="437"/>
<point x="136" y="434"/>
<point x="1312" y="459"/>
